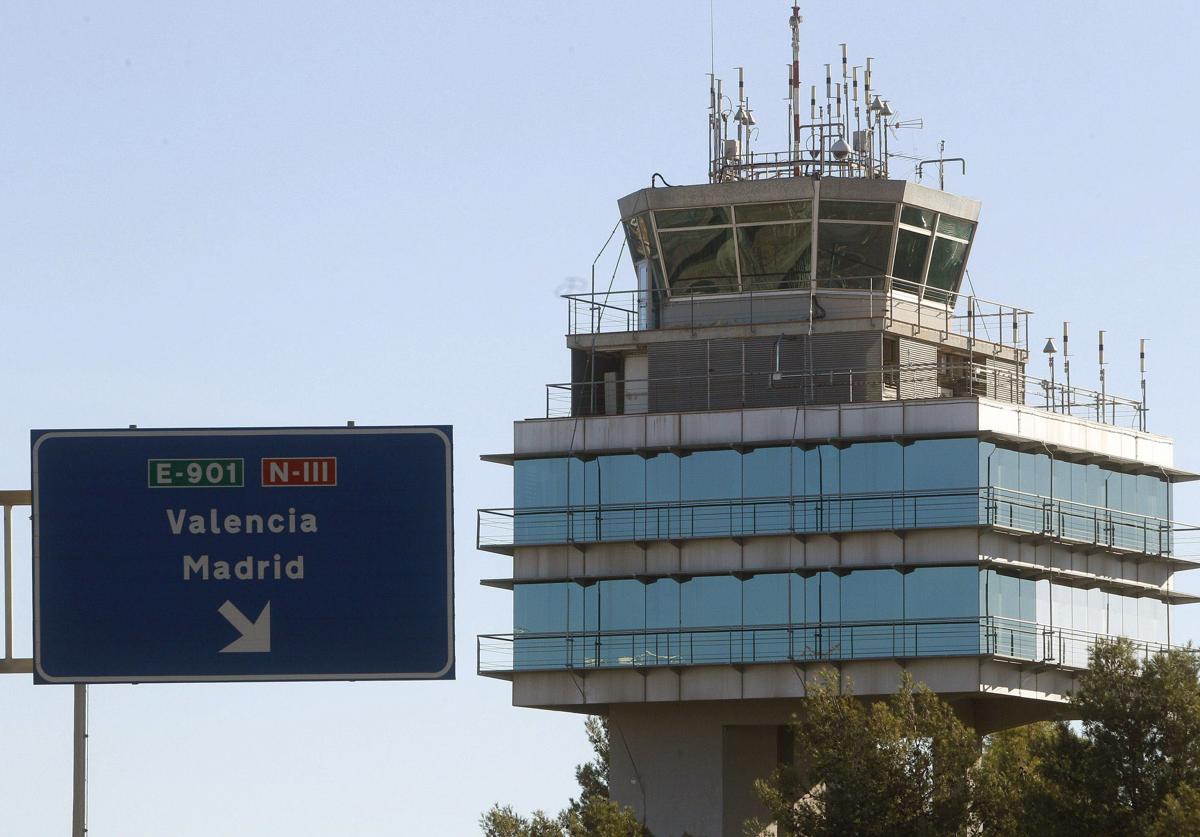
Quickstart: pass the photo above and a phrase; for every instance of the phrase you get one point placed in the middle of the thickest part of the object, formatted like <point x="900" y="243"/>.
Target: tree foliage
<point x="895" y="767"/>
<point x="909" y="766"/>
<point x="592" y="814"/>
<point x="1137" y="748"/>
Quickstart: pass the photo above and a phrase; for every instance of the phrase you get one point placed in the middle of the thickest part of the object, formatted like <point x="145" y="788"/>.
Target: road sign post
<point x="243" y="554"/>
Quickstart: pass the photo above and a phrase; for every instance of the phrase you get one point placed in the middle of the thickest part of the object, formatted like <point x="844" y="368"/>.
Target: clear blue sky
<point x="299" y="213"/>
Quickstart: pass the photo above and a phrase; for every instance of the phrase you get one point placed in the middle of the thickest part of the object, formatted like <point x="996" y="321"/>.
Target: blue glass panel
<point x="711" y="601"/>
<point x="539" y="608"/>
<point x="766" y="473"/>
<point x="662" y="603"/>
<point x="872" y="468"/>
<point x="711" y="475"/>
<point x="931" y="464"/>
<point x="622" y="485"/>
<point x="1079" y="492"/>
<point x="1034" y="473"/>
<point x="803" y="597"/>
<point x="622" y="605"/>
<point x="622" y="608"/>
<point x="662" y="488"/>
<point x="765" y="602"/>
<point x="540" y="483"/>
<point x="662" y="645"/>
<point x="872" y="596"/>
<point x="765" y="599"/>
<point x="941" y="593"/>
<point x="1000" y="467"/>
<point x="1060" y="479"/>
<point x="943" y="474"/>
<point x="828" y="640"/>
<point x="622" y="479"/>
<point x="1096" y="483"/>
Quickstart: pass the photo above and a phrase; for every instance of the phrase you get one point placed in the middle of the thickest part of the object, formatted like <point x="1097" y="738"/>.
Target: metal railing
<point x="1000" y="508"/>
<point x="793" y="643"/>
<point x="775" y="388"/>
<point x="882" y="297"/>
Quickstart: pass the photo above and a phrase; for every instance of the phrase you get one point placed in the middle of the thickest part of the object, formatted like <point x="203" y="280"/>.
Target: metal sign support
<point x="79" y="773"/>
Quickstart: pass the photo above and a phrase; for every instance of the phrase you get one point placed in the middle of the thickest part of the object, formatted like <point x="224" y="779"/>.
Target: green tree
<point x="1004" y="778"/>
<point x="903" y="766"/>
<point x="1138" y="746"/>
<point x="593" y="814"/>
<point x="1179" y="814"/>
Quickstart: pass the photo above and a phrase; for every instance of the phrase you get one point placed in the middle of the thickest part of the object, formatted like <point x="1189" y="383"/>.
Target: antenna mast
<point x="795" y="22"/>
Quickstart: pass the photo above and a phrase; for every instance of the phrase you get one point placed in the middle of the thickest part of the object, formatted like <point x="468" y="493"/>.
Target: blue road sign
<point x="245" y="554"/>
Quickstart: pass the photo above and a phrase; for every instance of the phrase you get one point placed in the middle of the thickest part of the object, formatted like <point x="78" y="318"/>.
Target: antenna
<point x="1067" y="362"/>
<point x="1102" y="406"/>
<point x="1142" y="367"/>
<point x="795" y="22"/>
<point x="828" y="142"/>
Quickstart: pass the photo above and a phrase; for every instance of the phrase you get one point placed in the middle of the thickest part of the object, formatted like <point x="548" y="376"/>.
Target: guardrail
<point x="794" y="387"/>
<point x="887" y="297"/>
<point x="1001" y="508"/>
<point x="796" y="643"/>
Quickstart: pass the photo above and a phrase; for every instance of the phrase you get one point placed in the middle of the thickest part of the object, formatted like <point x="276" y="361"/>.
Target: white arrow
<point x="255" y="636"/>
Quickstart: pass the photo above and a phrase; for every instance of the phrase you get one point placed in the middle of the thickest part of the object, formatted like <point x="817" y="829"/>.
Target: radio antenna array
<point x="845" y="136"/>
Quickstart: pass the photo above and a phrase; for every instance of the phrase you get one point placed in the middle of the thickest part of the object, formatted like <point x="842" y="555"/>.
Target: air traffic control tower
<point x="798" y="445"/>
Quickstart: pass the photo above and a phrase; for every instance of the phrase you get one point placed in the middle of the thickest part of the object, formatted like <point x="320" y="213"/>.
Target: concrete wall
<point x="932" y="417"/>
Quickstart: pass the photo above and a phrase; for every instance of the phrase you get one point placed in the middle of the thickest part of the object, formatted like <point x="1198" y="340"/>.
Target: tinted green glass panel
<point x="774" y="257"/>
<point x="849" y="250"/>
<point x="911" y="250"/>
<point x="700" y="261"/>
<point x="704" y="216"/>
<point x="946" y="265"/>
<point x="956" y="227"/>
<point x="857" y="211"/>
<point x="753" y="213"/>
<point x="917" y="217"/>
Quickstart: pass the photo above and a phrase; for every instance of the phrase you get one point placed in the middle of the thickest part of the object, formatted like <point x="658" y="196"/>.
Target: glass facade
<point x="827" y="488"/>
<point x="770" y="246"/>
<point x="868" y="613"/>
